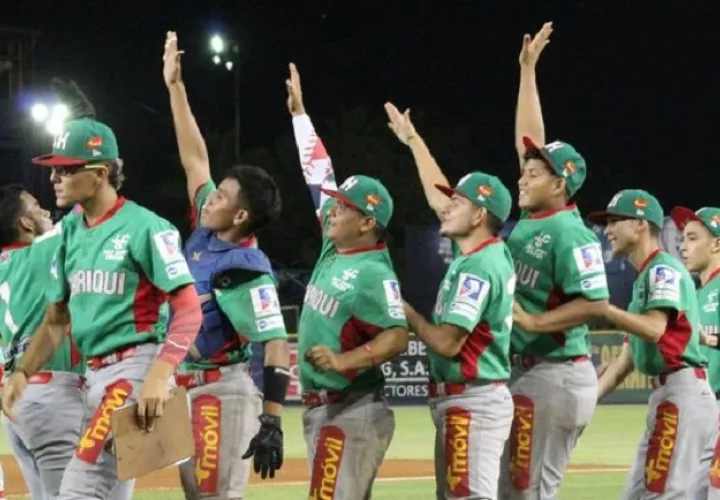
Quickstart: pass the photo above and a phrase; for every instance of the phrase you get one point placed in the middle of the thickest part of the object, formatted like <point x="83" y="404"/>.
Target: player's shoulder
<point x="667" y="269"/>
<point x="377" y="267"/>
<point x="494" y="260"/>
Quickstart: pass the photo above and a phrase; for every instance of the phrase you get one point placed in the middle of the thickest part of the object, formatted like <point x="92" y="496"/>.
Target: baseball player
<point x="120" y="274"/>
<point x="561" y="286"/>
<point x="663" y="326"/>
<point x="352" y="321"/>
<point x="240" y="305"/>
<point x="700" y="250"/>
<point x="469" y="338"/>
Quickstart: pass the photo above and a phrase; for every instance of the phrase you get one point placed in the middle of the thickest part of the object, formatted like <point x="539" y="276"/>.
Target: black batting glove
<point x="266" y="447"/>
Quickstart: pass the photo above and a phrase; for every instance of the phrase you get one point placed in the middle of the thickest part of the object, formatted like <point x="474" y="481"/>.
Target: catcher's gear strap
<point x="275" y="383"/>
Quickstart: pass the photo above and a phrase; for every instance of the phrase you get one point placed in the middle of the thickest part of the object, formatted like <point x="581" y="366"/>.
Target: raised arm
<point x="428" y="169"/>
<point x="193" y="152"/>
<point x="528" y="117"/>
<point x="316" y="164"/>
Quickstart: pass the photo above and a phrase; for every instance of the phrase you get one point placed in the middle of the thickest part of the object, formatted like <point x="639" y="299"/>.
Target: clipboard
<point x="139" y="452"/>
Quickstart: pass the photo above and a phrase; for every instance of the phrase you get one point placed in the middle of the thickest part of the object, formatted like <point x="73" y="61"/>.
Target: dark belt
<point x="456" y="388"/>
<point x="527" y="361"/>
<point x="717" y="395"/>
<point x="314" y="399"/>
<point x="661" y="379"/>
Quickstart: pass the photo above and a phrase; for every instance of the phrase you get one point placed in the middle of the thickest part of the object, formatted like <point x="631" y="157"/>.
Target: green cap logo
<point x="81" y="142"/>
<point x="631" y="204"/>
<point x="366" y="194"/>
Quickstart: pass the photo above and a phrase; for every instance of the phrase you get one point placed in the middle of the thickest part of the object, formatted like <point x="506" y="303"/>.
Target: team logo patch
<point x="326" y="463"/>
<point x="640" y="203"/>
<point x="167" y="244"/>
<point x="275" y="322"/>
<point x="179" y="268"/>
<point x="521" y="442"/>
<point x="457" y="439"/>
<point x="470" y="294"/>
<point x="206" y="414"/>
<point x="265" y="301"/>
<point x="661" y="445"/>
<point x="715" y="466"/>
<point x="97" y="431"/>
<point x="664" y="283"/>
<point x="588" y="258"/>
<point x="396" y="307"/>
<point x="598" y="282"/>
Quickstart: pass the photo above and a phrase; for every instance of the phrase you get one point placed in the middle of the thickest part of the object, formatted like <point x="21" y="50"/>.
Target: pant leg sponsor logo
<point x="457" y="430"/>
<point x="207" y="411"/>
<point x="521" y="442"/>
<point x="661" y="446"/>
<point x="715" y="466"/>
<point x="326" y="464"/>
<point x="97" y="431"/>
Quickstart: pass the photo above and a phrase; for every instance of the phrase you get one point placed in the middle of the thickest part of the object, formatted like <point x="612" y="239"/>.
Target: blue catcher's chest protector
<point x="207" y="256"/>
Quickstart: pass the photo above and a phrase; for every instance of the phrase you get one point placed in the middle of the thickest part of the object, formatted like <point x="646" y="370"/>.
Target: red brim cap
<point x="682" y="215"/>
<point x="447" y="191"/>
<point x="58" y="161"/>
<point x="339" y="196"/>
<point x="530" y="145"/>
<point x="599" y="217"/>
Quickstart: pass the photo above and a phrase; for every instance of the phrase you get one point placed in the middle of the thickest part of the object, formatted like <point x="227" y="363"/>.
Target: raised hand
<point x="171" y="60"/>
<point x="533" y="47"/>
<point x="400" y="123"/>
<point x="294" y="89"/>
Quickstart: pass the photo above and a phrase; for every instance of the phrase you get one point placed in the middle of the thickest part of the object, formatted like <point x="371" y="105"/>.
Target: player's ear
<point x="368" y="224"/>
<point x="26" y="224"/>
<point x="715" y="245"/>
<point x="480" y="215"/>
<point x="241" y="217"/>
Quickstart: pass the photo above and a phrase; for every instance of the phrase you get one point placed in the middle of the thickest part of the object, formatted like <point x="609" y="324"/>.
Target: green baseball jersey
<point x="664" y="283"/>
<point x="710" y="325"/>
<point x="24" y="280"/>
<point x="254" y="311"/>
<point x="115" y="277"/>
<point x="198" y="202"/>
<point x="351" y="297"/>
<point x="557" y="259"/>
<point x="476" y="294"/>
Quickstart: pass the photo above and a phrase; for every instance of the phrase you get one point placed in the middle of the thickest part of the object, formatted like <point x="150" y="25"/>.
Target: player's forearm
<point x="46" y="339"/>
<point x="276" y="375"/>
<point x="528" y="117"/>
<point x="384" y="347"/>
<point x="184" y="326"/>
<point x="191" y="145"/>
<point x="614" y="375"/>
<point x="433" y="336"/>
<point x="569" y="315"/>
<point x="429" y="172"/>
<point x="646" y="326"/>
<point x="315" y="162"/>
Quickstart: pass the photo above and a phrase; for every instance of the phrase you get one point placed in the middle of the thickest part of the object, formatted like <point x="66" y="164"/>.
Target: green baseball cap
<point x="708" y="216"/>
<point x="631" y="204"/>
<point x="565" y="161"/>
<point x="366" y="194"/>
<point x="81" y="142"/>
<point x="484" y="190"/>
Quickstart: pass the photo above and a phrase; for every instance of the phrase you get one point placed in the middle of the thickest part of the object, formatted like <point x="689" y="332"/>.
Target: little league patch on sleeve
<point x="265" y="301"/>
<point x="664" y="284"/>
<point x="598" y="282"/>
<point x="167" y="244"/>
<point x="179" y="268"/>
<point x="272" y="323"/>
<point x="396" y="308"/>
<point x="588" y="258"/>
<point x="470" y="294"/>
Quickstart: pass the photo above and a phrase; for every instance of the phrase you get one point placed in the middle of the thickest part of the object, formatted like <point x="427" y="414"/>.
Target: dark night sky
<point x="633" y="85"/>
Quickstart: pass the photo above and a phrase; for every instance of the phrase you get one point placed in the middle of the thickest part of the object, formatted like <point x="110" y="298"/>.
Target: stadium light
<point x="227" y="52"/>
<point x="217" y="44"/>
<point x="52" y="117"/>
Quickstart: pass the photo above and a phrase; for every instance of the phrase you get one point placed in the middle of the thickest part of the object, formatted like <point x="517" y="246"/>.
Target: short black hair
<point x="116" y="177"/>
<point x="259" y="195"/>
<point x="654" y="229"/>
<point x="495" y="225"/>
<point x="11" y="207"/>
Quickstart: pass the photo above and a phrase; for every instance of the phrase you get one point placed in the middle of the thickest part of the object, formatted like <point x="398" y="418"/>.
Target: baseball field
<point x="597" y="472"/>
